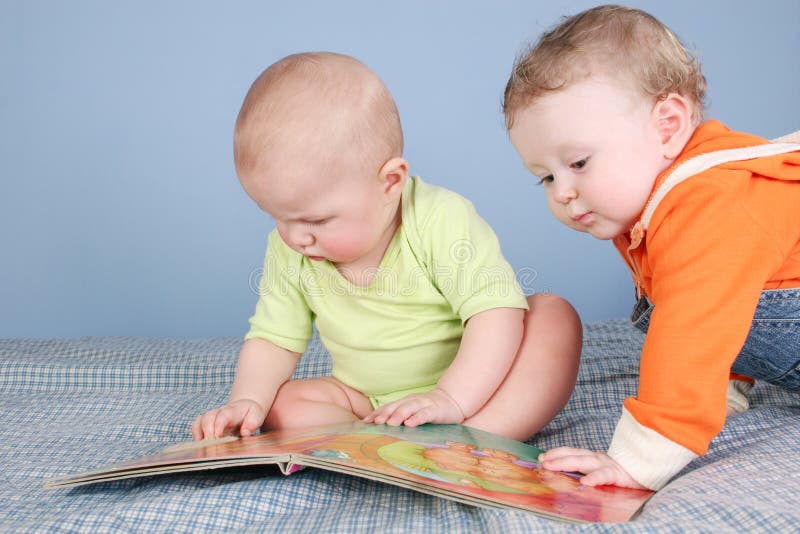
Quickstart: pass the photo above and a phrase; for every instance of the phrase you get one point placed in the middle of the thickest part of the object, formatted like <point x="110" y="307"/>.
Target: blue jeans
<point x="772" y="349"/>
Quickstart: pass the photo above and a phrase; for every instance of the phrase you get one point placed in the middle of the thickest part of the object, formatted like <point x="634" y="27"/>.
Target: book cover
<point x="449" y="461"/>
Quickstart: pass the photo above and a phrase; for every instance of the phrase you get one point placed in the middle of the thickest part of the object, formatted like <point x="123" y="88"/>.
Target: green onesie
<point x="399" y="334"/>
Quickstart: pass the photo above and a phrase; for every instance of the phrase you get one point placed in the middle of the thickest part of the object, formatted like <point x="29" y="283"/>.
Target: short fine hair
<point x="615" y="40"/>
<point x="332" y="99"/>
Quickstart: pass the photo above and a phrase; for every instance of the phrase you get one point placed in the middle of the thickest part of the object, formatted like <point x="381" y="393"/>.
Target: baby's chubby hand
<point x="598" y="467"/>
<point x="436" y="406"/>
<point x="244" y="416"/>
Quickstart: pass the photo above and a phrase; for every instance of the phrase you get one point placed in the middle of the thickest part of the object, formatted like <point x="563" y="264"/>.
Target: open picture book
<point x="449" y="461"/>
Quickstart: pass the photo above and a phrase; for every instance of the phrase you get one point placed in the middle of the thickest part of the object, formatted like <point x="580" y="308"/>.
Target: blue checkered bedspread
<point x="72" y="405"/>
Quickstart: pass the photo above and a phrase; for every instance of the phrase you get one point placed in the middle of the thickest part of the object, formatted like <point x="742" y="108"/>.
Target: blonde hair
<point x="333" y="103"/>
<point x="618" y="40"/>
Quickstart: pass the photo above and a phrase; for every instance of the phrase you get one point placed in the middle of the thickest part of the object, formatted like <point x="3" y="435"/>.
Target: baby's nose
<point x="564" y="194"/>
<point x="303" y="238"/>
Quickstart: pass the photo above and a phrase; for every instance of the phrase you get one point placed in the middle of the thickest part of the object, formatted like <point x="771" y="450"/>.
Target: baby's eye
<point x="545" y="180"/>
<point x="581" y="163"/>
<point x="318" y="222"/>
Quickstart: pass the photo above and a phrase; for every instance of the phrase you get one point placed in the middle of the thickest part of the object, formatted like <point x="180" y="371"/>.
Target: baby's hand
<point x="244" y="416"/>
<point x="435" y="406"/>
<point x="598" y="467"/>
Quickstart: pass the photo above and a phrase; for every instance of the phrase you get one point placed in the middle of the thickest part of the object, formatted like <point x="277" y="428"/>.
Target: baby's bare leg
<point x="543" y="375"/>
<point x="315" y="401"/>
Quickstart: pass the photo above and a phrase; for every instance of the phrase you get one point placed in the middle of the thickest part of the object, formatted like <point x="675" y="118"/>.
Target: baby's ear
<point x="393" y="175"/>
<point x="673" y="115"/>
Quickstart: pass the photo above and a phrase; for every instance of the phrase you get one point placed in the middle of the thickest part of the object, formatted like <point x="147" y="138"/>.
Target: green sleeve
<point x="282" y="315"/>
<point x="467" y="265"/>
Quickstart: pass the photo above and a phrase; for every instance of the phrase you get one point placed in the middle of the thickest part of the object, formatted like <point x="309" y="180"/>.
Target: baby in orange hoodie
<point x="606" y="109"/>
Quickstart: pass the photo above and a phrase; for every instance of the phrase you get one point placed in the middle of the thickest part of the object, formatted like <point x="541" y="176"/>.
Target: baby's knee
<point x="552" y="322"/>
<point x="552" y="308"/>
<point x="285" y="408"/>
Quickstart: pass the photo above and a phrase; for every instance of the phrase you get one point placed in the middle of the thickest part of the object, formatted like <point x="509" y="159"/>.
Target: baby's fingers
<point x="561" y="453"/>
<point x="420" y="417"/>
<point x="385" y="414"/>
<point x="575" y="460"/>
<point x="197" y="428"/>
<point x="203" y="426"/>
<point x="368" y="418"/>
<point x="603" y="475"/>
<point x="376" y="414"/>
<point x="406" y="410"/>
<point x="394" y="413"/>
<point x="613" y="474"/>
<point x="228" y="420"/>
<point x="251" y="421"/>
<point x="586" y="464"/>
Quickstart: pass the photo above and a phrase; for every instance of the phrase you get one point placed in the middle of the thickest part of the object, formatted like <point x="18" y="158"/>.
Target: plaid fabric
<point x="71" y="405"/>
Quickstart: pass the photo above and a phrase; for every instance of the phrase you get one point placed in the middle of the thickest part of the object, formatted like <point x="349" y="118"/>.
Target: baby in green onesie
<point x="407" y="286"/>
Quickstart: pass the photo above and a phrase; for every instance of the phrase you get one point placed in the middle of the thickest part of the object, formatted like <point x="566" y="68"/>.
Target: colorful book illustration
<point x="449" y="461"/>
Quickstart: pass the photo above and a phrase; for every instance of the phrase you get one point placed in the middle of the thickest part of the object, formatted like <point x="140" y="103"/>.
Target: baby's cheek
<point x="345" y="246"/>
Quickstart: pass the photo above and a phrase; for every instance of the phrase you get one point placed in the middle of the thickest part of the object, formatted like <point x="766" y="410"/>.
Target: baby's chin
<point x="596" y="230"/>
<point x="603" y="234"/>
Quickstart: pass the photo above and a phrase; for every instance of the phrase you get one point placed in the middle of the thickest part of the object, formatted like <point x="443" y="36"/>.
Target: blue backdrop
<point x="120" y="213"/>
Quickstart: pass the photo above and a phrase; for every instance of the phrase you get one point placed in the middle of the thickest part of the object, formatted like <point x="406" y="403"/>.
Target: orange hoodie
<point x="714" y="242"/>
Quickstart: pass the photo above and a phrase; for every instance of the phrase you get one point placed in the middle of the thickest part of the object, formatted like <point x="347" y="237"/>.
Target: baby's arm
<point x="488" y="347"/>
<point x="263" y="367"/>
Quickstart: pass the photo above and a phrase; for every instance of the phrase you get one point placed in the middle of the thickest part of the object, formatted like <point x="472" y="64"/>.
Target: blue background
<point x="120" y="213"/>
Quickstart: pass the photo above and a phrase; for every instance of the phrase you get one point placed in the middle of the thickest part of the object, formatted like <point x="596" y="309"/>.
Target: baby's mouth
<point x="583" y="218"/>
